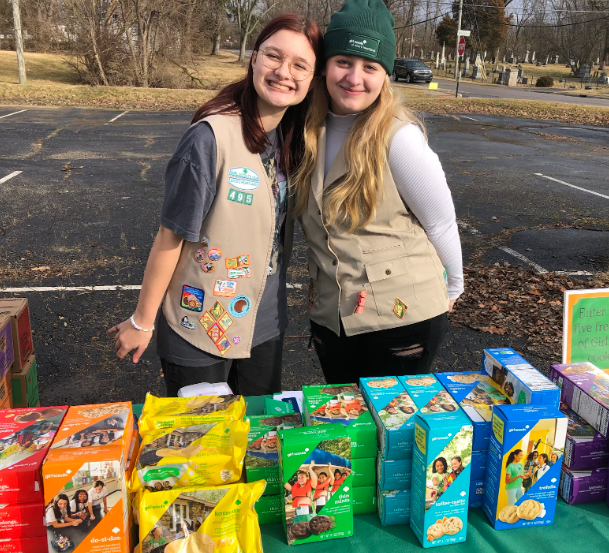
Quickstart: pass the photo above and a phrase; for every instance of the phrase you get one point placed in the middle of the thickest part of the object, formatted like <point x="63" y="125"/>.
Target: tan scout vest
<point x="237" y="237"/>
<point x="391" y="258"/>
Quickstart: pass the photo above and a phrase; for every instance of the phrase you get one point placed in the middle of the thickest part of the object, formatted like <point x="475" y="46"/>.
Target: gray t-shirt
<point x="190" y="189"/>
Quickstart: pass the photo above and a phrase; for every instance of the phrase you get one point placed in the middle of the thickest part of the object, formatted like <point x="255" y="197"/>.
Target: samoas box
<point x="441" y="474"/>
<point x="261" y="457"/>
<point x="520" y="381"/>
<point x="343" y="404"/>
<point x="511" y="498"/>
<point x="317" y="506"/>
<point x="585" y="447"/>
<point x="476" y="392"/>
<point x="583" y="486"/>
<point x="585" y="388"/>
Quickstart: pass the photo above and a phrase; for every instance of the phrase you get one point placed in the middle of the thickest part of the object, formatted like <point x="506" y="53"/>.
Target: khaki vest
<point x="237" y="237"/>
<point x="391" y="258"/>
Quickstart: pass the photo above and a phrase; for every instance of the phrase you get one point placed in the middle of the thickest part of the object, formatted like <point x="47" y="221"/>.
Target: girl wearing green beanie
<point x="376" y="209"/>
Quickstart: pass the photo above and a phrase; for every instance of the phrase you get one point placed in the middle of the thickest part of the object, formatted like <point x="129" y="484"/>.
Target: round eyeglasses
<point x="274" y="59"/>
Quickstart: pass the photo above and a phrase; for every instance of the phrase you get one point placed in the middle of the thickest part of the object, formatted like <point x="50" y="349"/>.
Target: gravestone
<point x="556" y="58"/>
<point x="437" y="60"/>
<point x="443" y="58"/>
<point x="604" y="78"/>
<point x="598" y="59"/>
<point x="526" y="57"/>
<point x="466" y="67"/>
<point x="503" y="58"/>
<point x="547" y="59"/>
<point x="533" y="57"/>
<point x="511" y="77"/>
<point x="520" y="74"/>
<point x="584" y="72"/>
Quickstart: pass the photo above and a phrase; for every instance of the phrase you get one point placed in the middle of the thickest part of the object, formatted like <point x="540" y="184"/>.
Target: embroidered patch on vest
<point x="187" y="324"/>
<point x="217" y="310"/>
<point x="215" y="333"/>
<point x="244" y="272"/>
<point x="223" y="345"/>
<point x="214" y="254"/>
<point x="239" y="306"/>
<point x="208" y="267"/>
<point x="192" y="298"/>
<point x="199" y="256"/>
<point x="245" y="198"/>
<point x="236" y="339"/>
<point x="205" y="242"/>
<point x="237" y="262"/>
<point x="207" y="320"/>
<point x="225" y="321"/>
<point x="399" y="308"/>
<point x="243" y="178"/>
<point x="225" y="288"/>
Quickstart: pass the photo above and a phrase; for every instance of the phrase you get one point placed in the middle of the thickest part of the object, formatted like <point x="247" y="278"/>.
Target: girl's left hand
<point x="451" y="304"/>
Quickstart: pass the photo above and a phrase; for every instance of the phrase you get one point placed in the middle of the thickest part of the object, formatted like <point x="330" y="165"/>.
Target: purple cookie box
<point x="585" y="448"/>
<point x="585" y="486"/>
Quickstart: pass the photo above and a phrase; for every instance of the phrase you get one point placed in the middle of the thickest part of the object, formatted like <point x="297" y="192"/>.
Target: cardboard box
<point x="19" y="312"/>
<point x="585" y="447"/>
<point x="364" y="500"/>
<point x="261" y="457"/>
<point x="23" y="520"/>
<point x="521" y="382"/>
<point x="585" y="389"/>
<point x="304" y="454"/>
<point x="25" y="545"/>
<point x="393" y="506"/>
<point x="344" y="404"/>
<point x="24" y="384"/>
<point x="25" y="437"/>
<point x="6" y="396"/>
<point x="583" y="486"/>
<point x="363" y="471"/>
<point x="476" y="392"/>
<point x="476" y="493"/>
<point x="7" y="355"/>
<point x="269" y="509"/>
<point x="479" y="463"/>
<point x="393" y="474"/>
<point x="440" y="488"/>
<point x="517" y="492"/>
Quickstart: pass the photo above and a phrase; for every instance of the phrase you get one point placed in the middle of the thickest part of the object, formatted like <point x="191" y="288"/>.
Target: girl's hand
<point x="451" y="304"/>
<point x="127" y="339"/>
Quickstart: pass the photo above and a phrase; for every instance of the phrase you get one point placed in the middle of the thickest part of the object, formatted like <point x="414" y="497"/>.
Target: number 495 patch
<point x="240" y="197"/>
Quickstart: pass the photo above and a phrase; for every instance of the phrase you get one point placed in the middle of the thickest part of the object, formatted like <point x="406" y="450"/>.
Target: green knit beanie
<point x="362" y="28"/>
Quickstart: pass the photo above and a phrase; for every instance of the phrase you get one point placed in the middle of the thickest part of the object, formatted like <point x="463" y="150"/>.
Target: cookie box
<point x="393" y="506"/>
<point x="393" y="474"/>
<point x="478" y="463"/>
<point x="7" y="355"/>
<point x="583" y="486"/>
<point x="18" y="311"/>
<point x="25" y="545"/>
<point x="25" y="437"/>
<point x="364" y="473"/>
<point x="476" y="492"/>
<point x="585" y="389"/>
<point x="201" y="519"/>
<point x="24" y="384"/>
<point x="315" y="469"/>
<point x="269" y="508"/>
<point x="521" y="485"/>
<point x="476" y="392"/>
<point x="364" y="500"/>
<point x="261" y="457"/>
<point x="585" y="447"/>
<point x="342" y="404"/>
<point x="520" y="381"/>
<point x="23" y="520"/>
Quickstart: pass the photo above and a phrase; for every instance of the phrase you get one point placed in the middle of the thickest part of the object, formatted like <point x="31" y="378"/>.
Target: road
<point x="81" y="191"/>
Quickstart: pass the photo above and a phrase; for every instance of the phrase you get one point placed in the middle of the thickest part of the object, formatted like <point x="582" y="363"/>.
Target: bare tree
<point x="248" y="14"/>
<point x="19" y="41"/>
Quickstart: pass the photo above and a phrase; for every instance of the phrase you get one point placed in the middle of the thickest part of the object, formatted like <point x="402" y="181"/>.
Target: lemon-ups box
<point x="521" y="485"/>
<point x="585" y="389"/>
<point x="261" y="456"/>
<point x="476" y="392"/>
<point x="342" y="404"/>
<point x="393" y="506"/>
<point x="25" y="437"/>
<point x="316" y="478"/>
<point x="18" y="311"/>
<point x="520" y="381"/>
<point x="441" y="475"/>
<point x="393" y="474"/>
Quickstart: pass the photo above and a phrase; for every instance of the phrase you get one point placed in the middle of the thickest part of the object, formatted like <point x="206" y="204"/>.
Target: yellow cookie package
<point x="201" y="520"/>
<point x="174" y="412"/>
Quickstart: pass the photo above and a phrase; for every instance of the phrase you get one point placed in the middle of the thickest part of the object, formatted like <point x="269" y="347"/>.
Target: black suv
<point x="411" y="71"/>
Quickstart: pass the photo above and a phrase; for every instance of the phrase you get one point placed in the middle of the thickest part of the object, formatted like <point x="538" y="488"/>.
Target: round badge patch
<point x="208" y="267"/>
<point x="214" y="254"/>
<point x="199" y="256"/>
<point x="205" y="242"/>
<point x="239" y="306"/>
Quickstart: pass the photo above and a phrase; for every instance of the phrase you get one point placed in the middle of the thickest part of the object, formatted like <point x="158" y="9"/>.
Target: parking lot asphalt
<point x="80" y="198"/>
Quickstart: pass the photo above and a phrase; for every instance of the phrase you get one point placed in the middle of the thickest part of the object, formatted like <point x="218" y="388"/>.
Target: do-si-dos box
<point x="25" y="437"/>
<point x="315" y="464"/>
<point x="19" y="312"/>
<point x="520" y="381"/>
<point x="585" y="448"/>
<point x="441" y="474"/>
<point x="343" y="404"/>
<point x="583" y="486"/>
<point x="261" y="455"/>
<point x="585" y="389"/>
<point x="521" y="481"/>
<point x="476" y="392"/>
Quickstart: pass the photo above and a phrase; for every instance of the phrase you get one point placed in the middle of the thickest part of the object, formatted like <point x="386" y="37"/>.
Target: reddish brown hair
<point x="240" y="98"/>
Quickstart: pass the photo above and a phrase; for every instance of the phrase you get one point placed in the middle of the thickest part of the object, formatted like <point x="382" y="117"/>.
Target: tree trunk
<point x="19" y="41"/>
<point x="243" y="41"/>
<point x="100" y="67"/>
<point x="215" y="49"/>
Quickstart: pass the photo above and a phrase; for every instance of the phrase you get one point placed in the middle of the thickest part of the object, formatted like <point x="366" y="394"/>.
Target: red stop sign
<point x="461" y="48"/>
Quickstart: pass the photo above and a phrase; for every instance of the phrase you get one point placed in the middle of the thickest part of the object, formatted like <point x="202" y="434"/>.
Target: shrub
<point x="545" y="82"/>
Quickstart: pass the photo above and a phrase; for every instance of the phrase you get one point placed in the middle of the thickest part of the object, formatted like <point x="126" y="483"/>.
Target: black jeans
<point x="258" y="375"/>
<point x="396" y="351"/>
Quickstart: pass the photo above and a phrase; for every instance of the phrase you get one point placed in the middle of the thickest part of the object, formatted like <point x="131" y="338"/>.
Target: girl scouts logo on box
<point x="192" y="298"/>
<point x="239" y="306"/>
<point x="359" y="44"/>
<point x="243" y="178"/>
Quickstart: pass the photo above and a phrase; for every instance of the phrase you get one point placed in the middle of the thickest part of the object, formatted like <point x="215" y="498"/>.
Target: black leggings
<point x="396" y="351"/>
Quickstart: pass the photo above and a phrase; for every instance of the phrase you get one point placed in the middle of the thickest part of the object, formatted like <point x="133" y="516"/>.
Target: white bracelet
<point x="138" y="327"/>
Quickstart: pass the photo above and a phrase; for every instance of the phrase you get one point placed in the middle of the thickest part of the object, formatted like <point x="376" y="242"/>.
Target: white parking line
<point x="471" y="118"/>
<point x="572" y="186"/>
<point x="9" y="177"/>
<point x="119" y="115"/>
<point x="110" y="288"/>
<point x="14" y="113"/>
<point x="540" y="270"/>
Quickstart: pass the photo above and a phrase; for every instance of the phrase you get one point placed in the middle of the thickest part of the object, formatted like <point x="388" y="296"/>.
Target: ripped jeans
<point x="396" y="351"/>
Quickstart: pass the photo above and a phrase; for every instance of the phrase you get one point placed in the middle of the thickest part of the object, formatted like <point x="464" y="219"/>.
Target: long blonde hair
<point x="352" y="200"/>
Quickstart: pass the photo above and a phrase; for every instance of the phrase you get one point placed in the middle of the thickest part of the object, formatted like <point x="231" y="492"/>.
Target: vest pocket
<point x="390" y="280"/>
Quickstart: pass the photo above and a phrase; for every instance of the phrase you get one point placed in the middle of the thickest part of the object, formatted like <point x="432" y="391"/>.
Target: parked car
<point x="411" y="70"/>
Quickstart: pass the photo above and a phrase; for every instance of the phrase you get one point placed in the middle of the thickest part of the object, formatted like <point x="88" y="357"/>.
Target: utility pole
<point x="19" y="41"/>
<point x="457" y="56"/>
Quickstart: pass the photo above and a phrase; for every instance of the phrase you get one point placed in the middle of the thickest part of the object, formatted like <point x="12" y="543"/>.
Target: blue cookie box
<point x="393" y="474"/>
<point x="478" y="463"/>
<point x="393" y="506"/>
